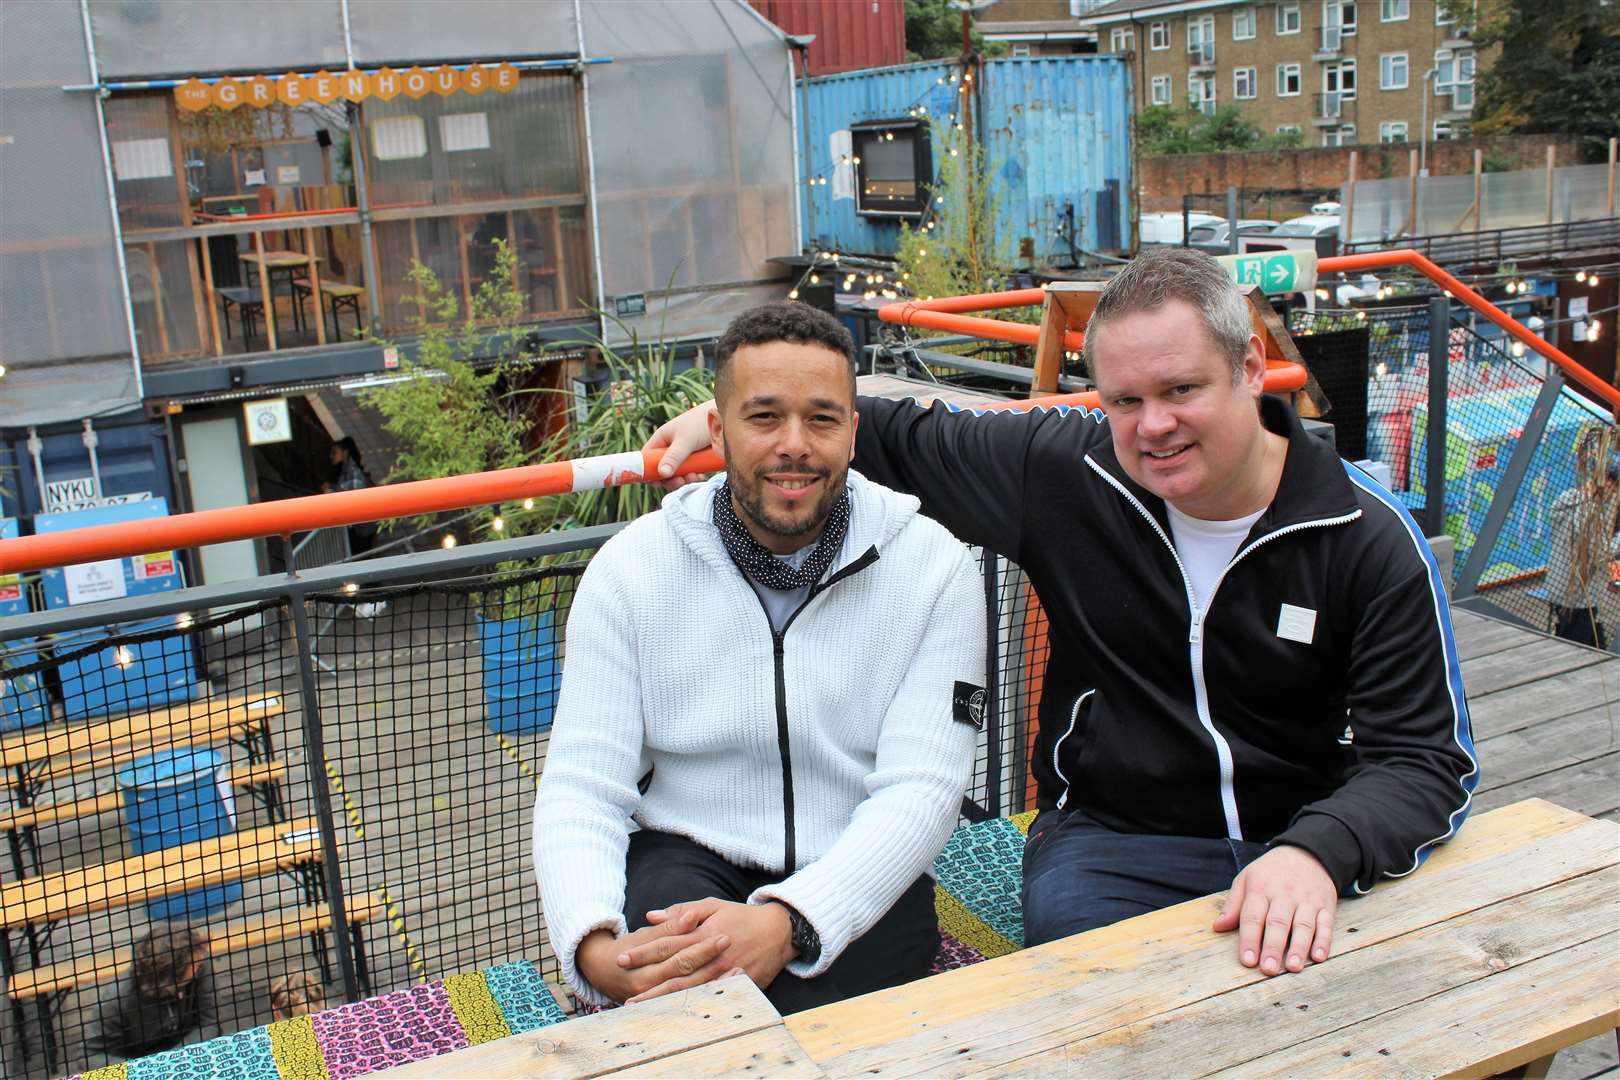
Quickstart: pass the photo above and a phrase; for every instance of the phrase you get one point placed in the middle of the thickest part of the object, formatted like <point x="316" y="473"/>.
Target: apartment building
<point x="1339" y="72"/>
<point x="1039" y="27"/>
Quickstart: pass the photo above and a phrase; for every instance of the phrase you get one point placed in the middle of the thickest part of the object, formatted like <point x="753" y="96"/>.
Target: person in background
<point x="1581" y="523"/>
<point x="297" y="993"/>
<point x="349" y="474"/>
<point x="166" y="999"/>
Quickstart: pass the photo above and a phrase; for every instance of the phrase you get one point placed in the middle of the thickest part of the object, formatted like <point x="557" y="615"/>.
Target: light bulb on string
<point x="1580" y="277"/>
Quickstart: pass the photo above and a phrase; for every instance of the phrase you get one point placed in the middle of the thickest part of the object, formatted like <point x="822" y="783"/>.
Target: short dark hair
<point x="785" y="320"/>
<point x="1160" y="275"/>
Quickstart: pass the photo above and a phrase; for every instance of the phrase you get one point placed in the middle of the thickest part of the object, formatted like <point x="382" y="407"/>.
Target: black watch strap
<point x="806" y="942"/>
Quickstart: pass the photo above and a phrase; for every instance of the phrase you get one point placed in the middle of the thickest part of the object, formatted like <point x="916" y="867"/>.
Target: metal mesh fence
<point x="371" y="750"/>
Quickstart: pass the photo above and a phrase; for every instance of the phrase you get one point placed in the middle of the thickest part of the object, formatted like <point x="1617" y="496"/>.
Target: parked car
<point x="1217" y="233"/>
<point x="1166" y="228"/>
<point x="1309" y="225"/>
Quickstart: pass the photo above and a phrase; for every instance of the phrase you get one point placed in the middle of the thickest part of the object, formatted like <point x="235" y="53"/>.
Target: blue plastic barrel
<point x="520" y="673"/>
<point x="176" y="797"/>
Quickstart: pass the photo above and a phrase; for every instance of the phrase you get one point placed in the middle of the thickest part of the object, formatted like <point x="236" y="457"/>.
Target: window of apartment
<point x="1343" y="135"/>
<point x="1442" y="131"/>
<point x="1347" y="17"/>
<point x="1121" y="39"/>
<point x="1394" y="10"/>
<point x="1338" y="18"/>
<point x="1201" y="93"/>
<point x="1392" y="131"/>
<point x="1288" y="129"/>
<point x="1243" y="24"/>
<point x="1392" y="71"/>
<point x="1158" y="36"/>
<point x="1288" y="80"/>
<point x="1340" y="79"/>
<point x="1442" y="14"/>
<point x="1288" y="18"/>
<point x="1201" y="39"/>
<point x="1161" y="90"/>
<point x="1019" y="49"/>
<point x="1454" y="75"/>
<point x="894" y="164"/>
<point x="1244" y="83"/>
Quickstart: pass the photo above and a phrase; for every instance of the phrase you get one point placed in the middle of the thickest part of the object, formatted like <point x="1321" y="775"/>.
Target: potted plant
<point x="457" y="420"/>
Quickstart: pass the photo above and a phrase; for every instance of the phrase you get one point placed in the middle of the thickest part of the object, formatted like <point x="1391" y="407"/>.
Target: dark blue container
<point x="22" y="698"/>
<point x="176" y="797"/>
<point x="127" y="678"/>
<point x="520" y="673"/>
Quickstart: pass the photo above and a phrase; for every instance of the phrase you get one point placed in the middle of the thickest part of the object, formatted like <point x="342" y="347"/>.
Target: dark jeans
<point x="1579" y="624"/>
<point x="663" y="869"/>
<point x="1079" y="875"/>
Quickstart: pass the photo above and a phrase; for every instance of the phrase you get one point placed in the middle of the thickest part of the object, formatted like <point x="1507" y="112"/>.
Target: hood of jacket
<point x="876" y="516"/>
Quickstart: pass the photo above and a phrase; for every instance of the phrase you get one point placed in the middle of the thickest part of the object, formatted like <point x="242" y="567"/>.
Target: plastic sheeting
<point x="182" y="37"/>
<point x="1511" y="200"/>
<point x="692" y="126"/>
<point x="58" y="267"/>
<point x="389" y="30"/>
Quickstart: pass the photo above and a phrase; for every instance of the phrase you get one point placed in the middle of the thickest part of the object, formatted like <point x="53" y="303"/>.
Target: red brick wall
<point x="1165" y="178"/>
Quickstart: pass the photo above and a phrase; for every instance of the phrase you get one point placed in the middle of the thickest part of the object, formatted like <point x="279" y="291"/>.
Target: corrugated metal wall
<point x="1057" y="130"/>
<point x="850" y="34"/>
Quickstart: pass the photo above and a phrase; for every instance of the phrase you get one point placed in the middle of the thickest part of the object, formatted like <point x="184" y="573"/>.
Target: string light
<point x="184" y="620"/>
<point x="1580" y="277"/>
<point x="350" y="588"/>
<point x="123" y="657"/>
<point x="1594" y="330"/>
<point x="498" y="523"/>
<point x="793" y="294"/>
<point x="449" y="541"/>
<point x="528" y="504"/>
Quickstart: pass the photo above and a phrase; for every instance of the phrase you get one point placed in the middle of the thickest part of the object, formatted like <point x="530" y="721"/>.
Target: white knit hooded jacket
<point x="672" y="666"/>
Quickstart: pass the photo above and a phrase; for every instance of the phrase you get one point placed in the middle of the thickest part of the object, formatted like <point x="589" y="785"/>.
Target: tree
<point x="934" y="32"/>
<point x="1165" y="129"/>
<point x="1558" y="70"/>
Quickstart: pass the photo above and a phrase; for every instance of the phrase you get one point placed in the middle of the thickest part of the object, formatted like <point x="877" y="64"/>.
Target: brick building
<point x="1039" y="27"/>
<point x="1340" y="72"/>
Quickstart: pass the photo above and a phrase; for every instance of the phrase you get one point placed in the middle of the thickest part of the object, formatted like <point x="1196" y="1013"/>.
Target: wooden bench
<point x="242" y="776"/>
<point x="266" y="929"/>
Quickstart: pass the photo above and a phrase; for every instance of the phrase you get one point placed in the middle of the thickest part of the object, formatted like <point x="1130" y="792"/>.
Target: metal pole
<point x="112" y="204"/>
<point x="590" y="171"/>
<point x="1507" y="490"/>
<point x="1231" y="219"/>
<point x="90" y="440"/>
<point x="362" y="206"/>
<point x="804" y="211"/>
<point x="1434" y="472"/>
<point x="315" y="760"/>
<point x="992" y="682"/>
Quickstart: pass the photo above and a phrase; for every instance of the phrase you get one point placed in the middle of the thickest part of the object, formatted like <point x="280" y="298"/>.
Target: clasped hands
<point x="686" y="945"/>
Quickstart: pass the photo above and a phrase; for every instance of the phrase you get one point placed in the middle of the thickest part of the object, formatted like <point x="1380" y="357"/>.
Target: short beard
<point x="750" y="502"/>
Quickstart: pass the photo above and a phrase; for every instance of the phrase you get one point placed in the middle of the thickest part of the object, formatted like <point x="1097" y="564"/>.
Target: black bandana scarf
<point x="758" y="562"/>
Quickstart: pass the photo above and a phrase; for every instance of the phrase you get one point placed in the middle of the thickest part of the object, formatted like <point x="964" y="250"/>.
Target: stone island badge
<point x="967" y="705"/>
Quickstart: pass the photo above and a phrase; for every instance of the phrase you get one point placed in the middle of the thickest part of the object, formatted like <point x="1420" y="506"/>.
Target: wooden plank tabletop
<point x="1521" y="886"/>
<point x="237" y="855"/>
<point x="103" y="741"/>
<point x="611" y="1042"/>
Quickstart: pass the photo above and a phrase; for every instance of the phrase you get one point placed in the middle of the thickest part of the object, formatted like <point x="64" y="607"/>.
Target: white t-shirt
<point x="1206" y="547"/>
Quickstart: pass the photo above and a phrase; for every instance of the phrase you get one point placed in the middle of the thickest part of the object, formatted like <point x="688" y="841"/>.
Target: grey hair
<point x="1156" y="277"/>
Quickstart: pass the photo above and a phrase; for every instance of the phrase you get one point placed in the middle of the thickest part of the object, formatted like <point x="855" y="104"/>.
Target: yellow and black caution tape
<point x="517" y="755"/>
<point x="395" y="918"/>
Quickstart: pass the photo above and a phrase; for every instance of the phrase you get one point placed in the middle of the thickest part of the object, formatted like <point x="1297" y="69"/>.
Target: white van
<point x="1166" y="228"/>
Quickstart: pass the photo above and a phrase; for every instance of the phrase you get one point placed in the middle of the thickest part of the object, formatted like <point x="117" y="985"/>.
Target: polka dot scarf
<point x="757" y="561"/>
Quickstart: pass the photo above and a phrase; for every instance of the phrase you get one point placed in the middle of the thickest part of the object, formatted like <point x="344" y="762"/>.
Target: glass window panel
<point x="169" y="312"/>
<point x="146" y="199"/>
<point x="399" y="138"/>
<point x="531" y="146"/>
<point x="276" y="159"/>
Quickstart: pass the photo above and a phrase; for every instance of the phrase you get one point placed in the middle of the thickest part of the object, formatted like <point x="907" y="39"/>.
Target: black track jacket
<point x="1317" y="702"/>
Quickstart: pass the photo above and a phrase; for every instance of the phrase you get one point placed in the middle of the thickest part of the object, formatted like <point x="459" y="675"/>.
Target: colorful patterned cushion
<point x="979" y="877"/>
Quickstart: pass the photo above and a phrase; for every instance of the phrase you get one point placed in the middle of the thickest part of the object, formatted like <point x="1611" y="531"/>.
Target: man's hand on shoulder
<point x="759" y="942"/>
<point x="1282" y="906"/>
<point x="627" y="966"/>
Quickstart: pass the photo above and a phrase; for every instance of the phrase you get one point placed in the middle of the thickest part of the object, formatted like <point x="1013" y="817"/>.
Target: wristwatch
<point x="806" y="942"/>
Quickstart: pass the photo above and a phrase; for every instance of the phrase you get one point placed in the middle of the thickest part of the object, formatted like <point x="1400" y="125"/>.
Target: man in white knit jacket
<point x="766" y="793"/>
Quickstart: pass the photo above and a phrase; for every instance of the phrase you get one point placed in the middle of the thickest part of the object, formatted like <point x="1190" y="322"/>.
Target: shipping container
<point x="849" y="35"/>
<point x="1057" y="137"/>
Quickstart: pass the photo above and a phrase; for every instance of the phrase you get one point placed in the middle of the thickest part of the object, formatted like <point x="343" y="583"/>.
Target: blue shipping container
<point x="1057" y="137"/>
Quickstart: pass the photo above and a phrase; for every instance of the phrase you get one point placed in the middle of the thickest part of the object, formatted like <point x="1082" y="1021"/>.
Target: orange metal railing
<point x="534" y="481"/>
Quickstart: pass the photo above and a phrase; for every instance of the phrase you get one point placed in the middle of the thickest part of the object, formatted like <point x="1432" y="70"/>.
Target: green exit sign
<point x="1274" y="272"/>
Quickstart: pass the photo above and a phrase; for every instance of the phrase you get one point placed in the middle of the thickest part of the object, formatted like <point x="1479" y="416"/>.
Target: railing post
<point x="1434" y="472"/>
<point x="992" y="682"/>
<point x="315" y="766"/>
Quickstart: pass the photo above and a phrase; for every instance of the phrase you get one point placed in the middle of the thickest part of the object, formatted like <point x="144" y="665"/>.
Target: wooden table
<point x="290" y="263"/>
<point x="1499" y="952"/>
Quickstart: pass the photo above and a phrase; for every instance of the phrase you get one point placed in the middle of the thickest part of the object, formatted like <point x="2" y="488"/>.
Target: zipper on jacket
<point x="1195" y="636"/>
<point x="779" y="658"/>
<point x="1074" y="718"/>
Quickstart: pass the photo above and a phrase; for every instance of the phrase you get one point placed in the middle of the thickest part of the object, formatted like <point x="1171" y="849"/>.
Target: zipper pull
<point x="777" y="641"/>
<point x="1195" y="633"/>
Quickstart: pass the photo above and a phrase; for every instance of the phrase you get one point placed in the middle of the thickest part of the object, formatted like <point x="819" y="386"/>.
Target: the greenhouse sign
<point x="325" y="87"/>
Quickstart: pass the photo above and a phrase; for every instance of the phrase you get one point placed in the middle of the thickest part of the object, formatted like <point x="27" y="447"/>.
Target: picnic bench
<point x="1495" y="955"/>
<point x="37" y="757"/>
<point x="33" y="905"/>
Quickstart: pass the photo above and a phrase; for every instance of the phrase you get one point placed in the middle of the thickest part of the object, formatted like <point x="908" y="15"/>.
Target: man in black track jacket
<point x="1252" y="680"/>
